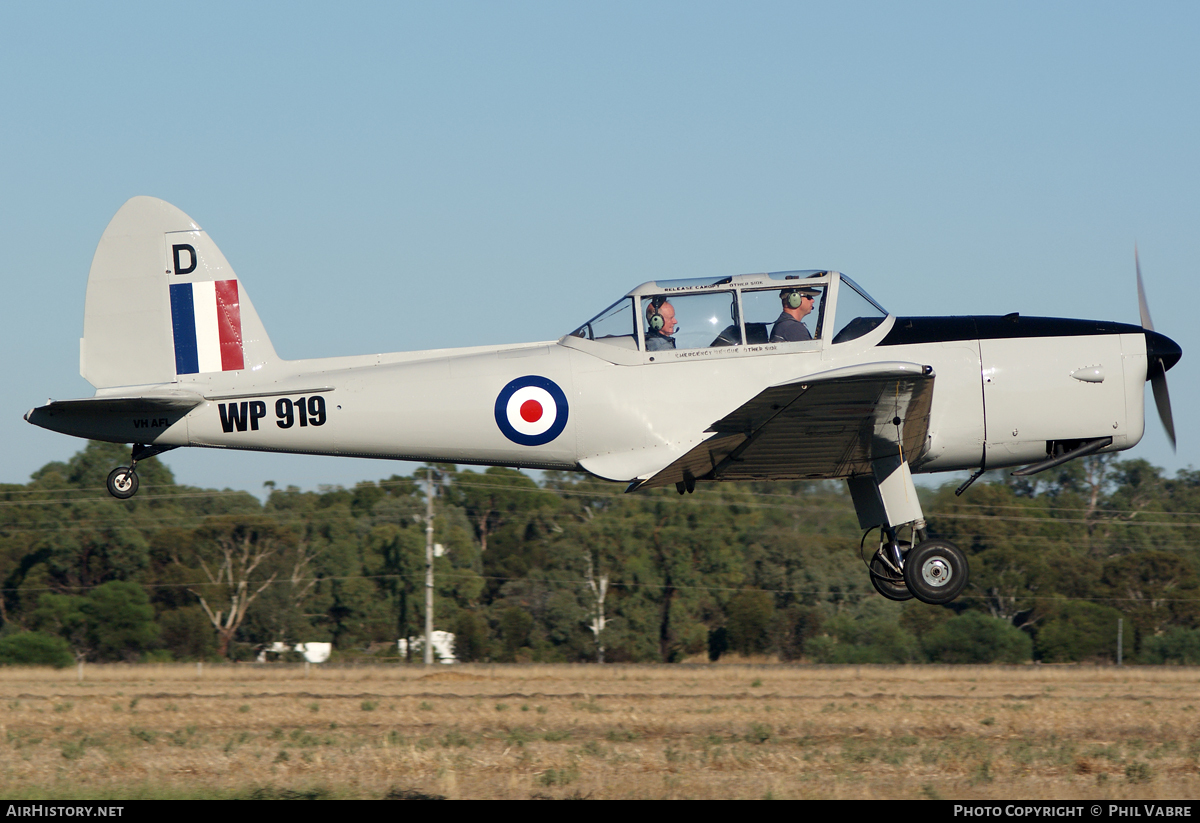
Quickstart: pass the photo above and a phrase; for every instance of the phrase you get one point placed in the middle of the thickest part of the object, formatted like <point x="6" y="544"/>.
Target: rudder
<point x="164" y="305"/>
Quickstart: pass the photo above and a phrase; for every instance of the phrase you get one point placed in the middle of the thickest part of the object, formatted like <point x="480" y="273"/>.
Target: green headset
<point x="654" y="319"/>
<point x="793" y="298"/>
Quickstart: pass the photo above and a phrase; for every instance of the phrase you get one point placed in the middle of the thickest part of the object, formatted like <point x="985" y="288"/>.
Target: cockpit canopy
<point x="747" y="309"/>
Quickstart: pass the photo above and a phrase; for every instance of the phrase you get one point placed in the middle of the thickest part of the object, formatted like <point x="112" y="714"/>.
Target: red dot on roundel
<point x="531" y="411"/>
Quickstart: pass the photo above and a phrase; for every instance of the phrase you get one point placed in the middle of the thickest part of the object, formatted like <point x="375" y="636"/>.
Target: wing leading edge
<point x="825" y="425"/>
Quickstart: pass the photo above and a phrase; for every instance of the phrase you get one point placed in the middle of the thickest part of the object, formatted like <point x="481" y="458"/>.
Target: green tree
<point x="976" y="638"/>
<point x="1176" y="645"/>
<point x="398" y="557"/>
<point x="1073" y="630"/>
<point x="62" y="615"/>
<point x="515" y="625"/>
<point x="1156" y="589"/>
<point x="794" y="626"/>
<point x="187" y="634"/>
<point x="329" y="585"/>
<point x="750" y="614"/>
<point x="233" y="554"/>
<point x="114" y="621"/>
<point x="920" y="619"/>
<point x="471" y="637"/>
<point x="873" y="635"/>
<point x="35" y="649"/>
<point x="1008" y="580"/>
<point x="499" y="498"/>
<point x="511" y="519"/>
<point x="120" y="621"/>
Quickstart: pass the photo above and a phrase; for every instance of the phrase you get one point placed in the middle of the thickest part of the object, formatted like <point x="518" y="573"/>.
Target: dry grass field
<point x="719" y="731"/>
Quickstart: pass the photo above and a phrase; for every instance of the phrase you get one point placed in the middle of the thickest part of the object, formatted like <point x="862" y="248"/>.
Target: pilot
<point x="660" y="325"/>
<point x="797" y="303"/>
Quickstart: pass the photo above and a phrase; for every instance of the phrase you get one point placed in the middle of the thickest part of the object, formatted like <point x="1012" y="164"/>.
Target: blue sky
<point x="401" y="176"/>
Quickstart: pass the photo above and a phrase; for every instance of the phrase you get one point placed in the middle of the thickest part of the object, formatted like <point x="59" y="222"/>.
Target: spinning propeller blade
<point x="1161" y="354"/>
<point x="1162" y="400"/>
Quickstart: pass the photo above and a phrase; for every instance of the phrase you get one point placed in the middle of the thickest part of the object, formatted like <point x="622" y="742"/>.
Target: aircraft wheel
<point x="936" y="571"/>
<point x="122" y="482"/>
<point x="886" y="583"/>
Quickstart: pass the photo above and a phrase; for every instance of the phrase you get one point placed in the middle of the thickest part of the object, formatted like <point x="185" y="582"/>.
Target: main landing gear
<point x="933" y="571"/>
<point x="123" y="480"/>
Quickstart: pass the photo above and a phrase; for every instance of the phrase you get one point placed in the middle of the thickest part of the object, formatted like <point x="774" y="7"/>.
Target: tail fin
<point x="163" y="303"/>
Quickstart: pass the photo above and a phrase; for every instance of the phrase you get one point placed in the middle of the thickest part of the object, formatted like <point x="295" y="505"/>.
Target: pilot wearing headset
<point x="797" y="303"/>
<point x="660" y="325"/>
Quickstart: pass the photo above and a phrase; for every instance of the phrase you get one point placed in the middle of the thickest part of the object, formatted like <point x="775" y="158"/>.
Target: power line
<point x="109" y="499"/>
<point x="124" y="524"/>
<point x="728" y="496"/>
<point x="416" y="579"/>
<point x="1046" y="521"/>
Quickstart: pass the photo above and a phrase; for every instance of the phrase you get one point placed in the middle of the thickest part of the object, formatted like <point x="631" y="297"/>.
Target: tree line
<point x="572" y="569"/>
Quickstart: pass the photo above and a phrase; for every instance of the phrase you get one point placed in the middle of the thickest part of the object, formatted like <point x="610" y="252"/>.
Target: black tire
<point x="122" y="482"/>
<point x="936" y="572"/>
<point x="886" y="583"/>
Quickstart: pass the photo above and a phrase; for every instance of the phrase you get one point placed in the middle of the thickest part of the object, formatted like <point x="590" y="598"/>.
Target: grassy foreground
<point x="720" y="731"/>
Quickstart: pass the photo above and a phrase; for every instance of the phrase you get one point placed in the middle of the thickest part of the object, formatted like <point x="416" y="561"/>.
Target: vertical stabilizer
<point x="163" y="304"/>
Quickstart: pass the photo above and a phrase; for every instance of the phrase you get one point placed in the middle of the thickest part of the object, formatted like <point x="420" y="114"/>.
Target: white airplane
<point x="786" y="375"/>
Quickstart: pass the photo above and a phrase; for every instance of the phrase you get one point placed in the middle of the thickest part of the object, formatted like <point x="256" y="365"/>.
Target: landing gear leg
<point x="933" y="571"/>
<point x="123" y="480"/>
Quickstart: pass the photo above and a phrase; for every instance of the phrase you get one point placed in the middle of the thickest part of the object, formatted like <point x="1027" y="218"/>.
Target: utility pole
<point x="1120" y="638"/>
<point x="428" y="567"/>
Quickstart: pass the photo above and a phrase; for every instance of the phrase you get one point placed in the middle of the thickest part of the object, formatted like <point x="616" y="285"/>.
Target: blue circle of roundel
<point x="560" y="410"/>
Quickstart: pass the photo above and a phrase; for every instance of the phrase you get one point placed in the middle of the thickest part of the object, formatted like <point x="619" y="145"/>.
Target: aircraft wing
<point x="824" y="425"/>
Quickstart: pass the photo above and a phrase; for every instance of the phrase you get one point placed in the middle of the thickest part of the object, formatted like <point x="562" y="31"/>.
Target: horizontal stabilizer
<point x="115" y="419"/>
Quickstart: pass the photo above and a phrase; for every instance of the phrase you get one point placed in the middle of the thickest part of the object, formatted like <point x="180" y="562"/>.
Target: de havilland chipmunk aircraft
<point x="784" y="375"/>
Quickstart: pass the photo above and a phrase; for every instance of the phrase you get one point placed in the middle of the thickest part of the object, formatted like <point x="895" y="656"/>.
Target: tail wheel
<point x="122" y="482"/>
<point x="936" y="571"/>
<point x="887" y="582"/>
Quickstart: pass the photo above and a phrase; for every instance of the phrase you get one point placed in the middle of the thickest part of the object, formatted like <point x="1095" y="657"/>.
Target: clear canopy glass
<point x="857" y="313"/>
<point x="691" y="321"/>
<point x="685" y="314"/>
<point x="614" y="325"/>
<point x="768" y="322"/>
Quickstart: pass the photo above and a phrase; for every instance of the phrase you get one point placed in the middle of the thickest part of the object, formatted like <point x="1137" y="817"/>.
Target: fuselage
<point x="1007" y="389"/>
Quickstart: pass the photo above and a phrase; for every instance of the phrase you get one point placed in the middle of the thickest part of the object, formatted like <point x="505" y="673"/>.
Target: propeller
<point x="1161" y="354"/>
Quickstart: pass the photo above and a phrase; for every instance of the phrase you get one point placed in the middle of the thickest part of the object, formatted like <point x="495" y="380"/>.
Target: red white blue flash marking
<point x="206" y="322"/>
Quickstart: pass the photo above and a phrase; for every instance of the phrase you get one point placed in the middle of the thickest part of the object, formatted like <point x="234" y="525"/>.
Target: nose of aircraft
<point x="1160" y="349"/>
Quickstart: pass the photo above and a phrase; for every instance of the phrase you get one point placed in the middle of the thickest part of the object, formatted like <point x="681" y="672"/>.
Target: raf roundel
<point x="531" y="410"/>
